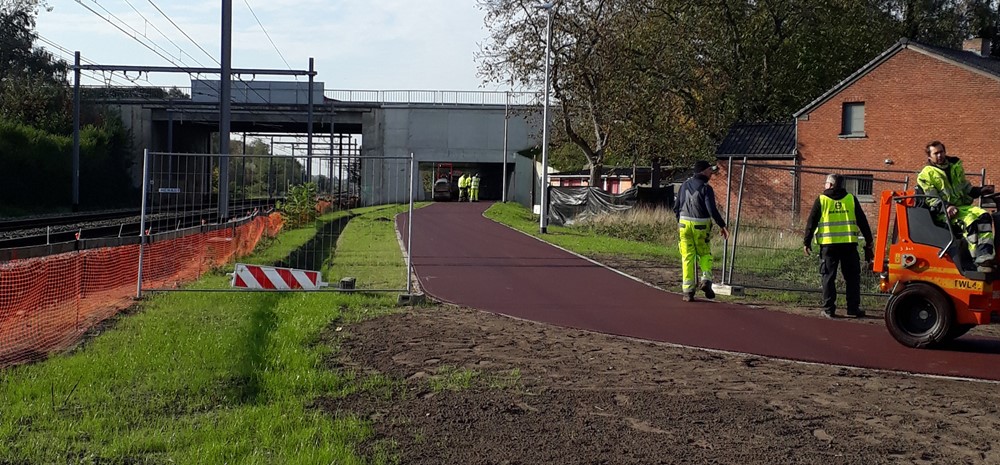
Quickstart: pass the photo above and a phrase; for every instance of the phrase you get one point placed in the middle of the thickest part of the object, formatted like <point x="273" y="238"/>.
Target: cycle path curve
<point x="463" y="258"/>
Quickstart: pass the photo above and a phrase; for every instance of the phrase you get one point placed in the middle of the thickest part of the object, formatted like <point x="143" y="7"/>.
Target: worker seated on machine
<point x="949" y="197"/>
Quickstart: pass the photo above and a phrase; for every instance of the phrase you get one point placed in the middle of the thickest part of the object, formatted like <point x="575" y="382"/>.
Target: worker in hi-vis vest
<point x="463" y="187"/>
<point x="835" y="221"/>
<point x="474" y="188"/>
<point x="950" y="199"/>
<point x="696" y="209"/>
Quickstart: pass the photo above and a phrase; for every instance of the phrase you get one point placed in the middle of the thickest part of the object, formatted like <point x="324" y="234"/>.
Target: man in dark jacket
<point x="835" y="221"/>
<point x="695" y="209"/>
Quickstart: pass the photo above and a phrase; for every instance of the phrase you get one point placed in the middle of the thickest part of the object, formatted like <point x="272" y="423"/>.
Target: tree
<point x="666" y="78"/>
<point x="584" y="67"/>
<point x="33" y="86"/>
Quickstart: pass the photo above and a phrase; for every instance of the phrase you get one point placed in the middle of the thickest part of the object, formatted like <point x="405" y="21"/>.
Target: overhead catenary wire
<point x="179" y="48"/>
<point x="68" y="55"/>
<point x="152" y="46"/>
<point x="267" y="35"/>
<point x="182" y="31"/>
<point x="135" y="34"/>
<point x="196" y="44"/>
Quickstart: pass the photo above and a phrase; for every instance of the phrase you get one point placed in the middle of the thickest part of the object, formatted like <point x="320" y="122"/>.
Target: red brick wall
<point x="910" y="100"/>
<point x="767" y="197"/>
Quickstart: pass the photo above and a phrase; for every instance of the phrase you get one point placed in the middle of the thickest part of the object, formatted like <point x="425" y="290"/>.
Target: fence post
<point x="142" y="221"/>
<point x="409" y="233"/>
<point x="736" y="229"/>
<point x="729" y="201"/>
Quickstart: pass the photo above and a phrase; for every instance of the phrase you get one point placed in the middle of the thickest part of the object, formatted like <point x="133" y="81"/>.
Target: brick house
<point x="769" y="178"/>
<point x="880" y="118"/>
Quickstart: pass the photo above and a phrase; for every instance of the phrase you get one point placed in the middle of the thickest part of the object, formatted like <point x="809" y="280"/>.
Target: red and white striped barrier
<point x="272" y="277"/>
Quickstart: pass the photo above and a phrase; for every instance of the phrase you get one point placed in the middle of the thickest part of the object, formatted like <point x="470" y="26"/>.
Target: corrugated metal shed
<point x="761" y="141"/>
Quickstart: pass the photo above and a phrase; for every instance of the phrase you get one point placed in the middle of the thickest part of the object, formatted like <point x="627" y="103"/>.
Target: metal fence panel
<point x="187" y="231"/>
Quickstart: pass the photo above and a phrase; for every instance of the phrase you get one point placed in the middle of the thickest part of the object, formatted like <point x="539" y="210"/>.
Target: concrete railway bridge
<point x="472" y="130"/>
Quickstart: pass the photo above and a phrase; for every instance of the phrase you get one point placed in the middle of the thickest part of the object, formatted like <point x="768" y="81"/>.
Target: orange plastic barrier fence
<point x="48" y="303"/>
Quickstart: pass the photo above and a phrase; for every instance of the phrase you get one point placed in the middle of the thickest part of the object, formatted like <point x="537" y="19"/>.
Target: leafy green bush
<point x="36" y="166"/>
<point x="299" y="207"/>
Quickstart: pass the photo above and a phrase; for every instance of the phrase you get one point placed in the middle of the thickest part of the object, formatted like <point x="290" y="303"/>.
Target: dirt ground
<point x="545" y="394"/>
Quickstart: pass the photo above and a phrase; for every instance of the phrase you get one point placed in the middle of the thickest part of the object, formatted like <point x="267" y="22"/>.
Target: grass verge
<point x="207" y="377"/>
<point x="580" y="239"/>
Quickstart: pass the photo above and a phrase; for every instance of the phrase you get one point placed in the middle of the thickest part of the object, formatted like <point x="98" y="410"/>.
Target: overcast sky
<point x="378" y="45"/>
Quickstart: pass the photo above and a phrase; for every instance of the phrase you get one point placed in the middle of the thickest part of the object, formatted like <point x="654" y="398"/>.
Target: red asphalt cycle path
<point x="463" y="258"/>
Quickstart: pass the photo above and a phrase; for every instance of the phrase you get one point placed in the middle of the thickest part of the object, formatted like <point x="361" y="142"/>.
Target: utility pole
<point x="225" y="107"/>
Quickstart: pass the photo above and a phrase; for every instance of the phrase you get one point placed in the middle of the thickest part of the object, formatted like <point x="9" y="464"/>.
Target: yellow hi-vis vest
<point x="837" y="224"/>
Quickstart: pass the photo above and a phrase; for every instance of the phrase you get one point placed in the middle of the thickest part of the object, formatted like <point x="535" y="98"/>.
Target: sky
<point x="356" y="44"/>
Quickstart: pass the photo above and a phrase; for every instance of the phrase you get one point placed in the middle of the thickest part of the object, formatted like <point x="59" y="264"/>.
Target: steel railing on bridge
<point x="440" y="97"/>
<point x="436" y="97"/>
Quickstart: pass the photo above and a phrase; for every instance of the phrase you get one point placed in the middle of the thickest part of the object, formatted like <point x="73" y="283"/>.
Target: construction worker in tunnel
<point x="474" y="188"/>
<point x="696" y="209"/>
<point x="463" y="187"/>
<point x="951" y="196"/>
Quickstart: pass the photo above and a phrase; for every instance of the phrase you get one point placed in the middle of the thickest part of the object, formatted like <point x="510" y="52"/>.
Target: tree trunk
<point x="595" y="175"/>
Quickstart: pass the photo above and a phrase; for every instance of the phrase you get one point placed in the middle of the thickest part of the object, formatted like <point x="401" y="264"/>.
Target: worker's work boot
<point x="688" y="297"/>
<point x="706" y="287"/>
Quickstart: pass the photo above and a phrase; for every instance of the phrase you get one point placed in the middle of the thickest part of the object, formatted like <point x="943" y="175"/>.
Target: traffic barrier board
<point x="273" y="277"/>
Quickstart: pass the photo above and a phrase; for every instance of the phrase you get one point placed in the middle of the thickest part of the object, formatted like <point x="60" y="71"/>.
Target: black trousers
<point x="844" y="256"/>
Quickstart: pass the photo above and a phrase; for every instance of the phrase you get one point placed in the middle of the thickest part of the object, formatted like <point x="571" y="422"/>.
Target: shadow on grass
<point x="314" y="254"/>
<point x="263" y="321"/>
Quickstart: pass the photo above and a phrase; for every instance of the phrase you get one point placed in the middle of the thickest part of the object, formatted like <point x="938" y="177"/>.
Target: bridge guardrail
<point x="436" y="97"/>
<point x="439" y="97"/>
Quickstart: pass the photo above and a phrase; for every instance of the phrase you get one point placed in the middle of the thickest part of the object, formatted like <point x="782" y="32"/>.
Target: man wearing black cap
<point x="695" y="209"/>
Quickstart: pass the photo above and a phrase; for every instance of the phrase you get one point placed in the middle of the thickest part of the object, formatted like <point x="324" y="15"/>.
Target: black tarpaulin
<point x="568" y="205"/>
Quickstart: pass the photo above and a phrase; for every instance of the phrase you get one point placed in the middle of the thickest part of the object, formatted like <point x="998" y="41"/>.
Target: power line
<point x="134" y="37"/>
<point x="182" y="32"/>
<point x="292" y="115"/>
<point x="179" y="49"/>
<point x="267" y="35"/>
<point x="72" y="56"/>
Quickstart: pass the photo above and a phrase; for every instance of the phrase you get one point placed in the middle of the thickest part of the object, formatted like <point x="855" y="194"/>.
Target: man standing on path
<point x="474" y="188"/>
<point x="463" y="187"/>
<point x="835" y="220"/>
<point x="696" y="209"/>
<point x="951" y="196"/>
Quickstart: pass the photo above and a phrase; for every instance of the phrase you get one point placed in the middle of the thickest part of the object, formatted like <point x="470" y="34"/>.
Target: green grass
<point x="207" y="377"/>
<point x="368" y="251"/>
<point x="580" y="239"/>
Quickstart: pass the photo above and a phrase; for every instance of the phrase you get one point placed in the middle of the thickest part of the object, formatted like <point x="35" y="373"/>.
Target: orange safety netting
<point x="48" y="303"/>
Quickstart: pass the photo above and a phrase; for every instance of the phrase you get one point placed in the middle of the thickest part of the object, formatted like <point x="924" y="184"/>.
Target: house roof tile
<point x="758" y="141"/>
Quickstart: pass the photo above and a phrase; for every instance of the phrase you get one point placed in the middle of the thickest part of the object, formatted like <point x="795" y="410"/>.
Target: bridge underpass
<point x="435" y="127"/>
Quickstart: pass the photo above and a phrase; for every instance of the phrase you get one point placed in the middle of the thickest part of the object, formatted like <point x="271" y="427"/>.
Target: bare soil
<point x="534" y="393"/>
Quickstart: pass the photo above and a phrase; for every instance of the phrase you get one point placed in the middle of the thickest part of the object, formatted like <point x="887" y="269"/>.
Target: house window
<point x="861" y="186"/>
<point x="853" y="123"/>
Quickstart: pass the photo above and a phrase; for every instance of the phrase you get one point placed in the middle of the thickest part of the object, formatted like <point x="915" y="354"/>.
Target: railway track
<point x="59" y="229"/>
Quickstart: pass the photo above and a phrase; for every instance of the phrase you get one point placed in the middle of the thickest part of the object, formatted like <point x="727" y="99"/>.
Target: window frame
<point x="848" y="118"/>
<point x="854" y="182"/>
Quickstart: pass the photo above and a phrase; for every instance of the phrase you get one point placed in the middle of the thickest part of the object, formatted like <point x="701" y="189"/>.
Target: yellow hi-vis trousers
<point x="694" y="247"/>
